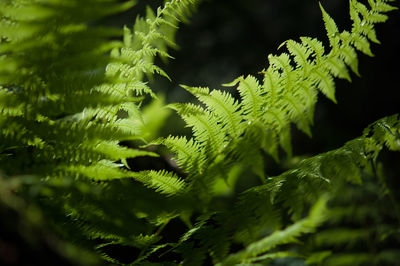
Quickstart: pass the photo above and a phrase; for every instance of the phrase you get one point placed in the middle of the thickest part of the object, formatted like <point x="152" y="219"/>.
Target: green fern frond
<point x="103" y="170"/>
<point x="307" y="225"/>
<point x="296" y="187"/>
<point x="288" y="94"/>
<point x="341" y="236"/>
<point x="150" y="37"/>
<point x="115" y="152"/>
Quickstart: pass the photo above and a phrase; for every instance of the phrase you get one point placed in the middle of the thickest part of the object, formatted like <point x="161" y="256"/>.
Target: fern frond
<point x="296" y="188"/>
<point x="307" y="225"/>
<point x="150" y="37"/>
<point x="103" y="170"/>
<point x="341" y="236"/>
<point x="115" y="152"/>
<point x="288" y="94"/>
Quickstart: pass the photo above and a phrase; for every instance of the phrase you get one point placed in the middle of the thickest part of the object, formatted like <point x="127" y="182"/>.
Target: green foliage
<point x="71" y="99"/>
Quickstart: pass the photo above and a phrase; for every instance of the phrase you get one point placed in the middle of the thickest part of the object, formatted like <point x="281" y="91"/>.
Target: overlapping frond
<point x="69" y="96"/>
<point x="150" y="37"/>
<point x="63" y="104"/>
<point x="256" y="219"/>
<point x="254" y="251"/>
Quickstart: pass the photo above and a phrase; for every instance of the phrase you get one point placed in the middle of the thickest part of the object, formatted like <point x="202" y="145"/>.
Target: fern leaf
<point x="162" y="181"/>
<point x="362" y="44"/>
<point x="315" y="46"/>
<point x="272" y="256"/>
<point x="348" y="53"/>
<point x="340" y="236"/>
<point x="288" y="235"/>
<point x="337" y="68"/>
<point x="103" y="170"/>
<point x="115" y="152"/>
<point x="272" y="86"/>
<point x="331" y="28"/>
<point x="325" y="84"/>
<point x="300" y="55"/>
